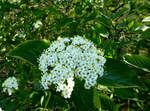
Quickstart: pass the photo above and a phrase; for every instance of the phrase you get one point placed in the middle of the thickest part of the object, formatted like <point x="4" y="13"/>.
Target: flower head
<point x="68" y="58"/>
<point x="10" y="85"/>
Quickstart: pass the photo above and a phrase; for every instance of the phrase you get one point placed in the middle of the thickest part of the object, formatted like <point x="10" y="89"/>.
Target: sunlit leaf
<point x="138" y="61"/>
<point x="146" y="19"/>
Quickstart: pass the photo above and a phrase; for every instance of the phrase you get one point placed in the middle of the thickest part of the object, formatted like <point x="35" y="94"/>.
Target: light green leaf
<point x="107" y="103"/>
<point x="96" y="99"/>
<point x="29" y="50"/>
<point x="118" y="74"/>
<point x="41" y="101"/>
<point x="137" y="61"/>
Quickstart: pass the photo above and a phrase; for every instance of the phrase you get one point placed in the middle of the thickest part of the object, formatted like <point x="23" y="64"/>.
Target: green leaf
<point x="118" y="74"/>
<point x="29" y="50"/>
<point x="45" y="98"/>
<point x="107" y="104"/>
<point x="137" y="61"/>
<point x="89" y="17"/>
<point x="96" y="99"/>
<point x="57" y="102"/>
<point x="84" y="100"/>
<point x="48" y="96"/>
<point x="122" y="93"/>
<point x="100" y="29"/>
<point x="105" y="20"/>
<point x="63" y="22"/>
<point x="42" y="99"/>
<point x="145" y="34"/>
<point x="120" y="13"/>
<point x="11" y="106"/>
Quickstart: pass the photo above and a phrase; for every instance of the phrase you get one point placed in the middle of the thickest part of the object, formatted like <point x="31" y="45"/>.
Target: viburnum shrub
<point x="70" y="58"/>
<point x="73" y="67"/>
<point x="73" y="74"/>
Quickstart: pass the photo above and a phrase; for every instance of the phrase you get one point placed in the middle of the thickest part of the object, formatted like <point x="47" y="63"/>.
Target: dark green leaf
<point x="29" y="50"/>
<point x="122" y="93"/>
<point x="11" y="106"/>
<point x="118" y="74"/>
<point x="84" y="99"/>
<point x="120" y="13"/>
<point x="57" y="102"/>
<point x="105" y="21"/>
<point x="63" y="22"/>
<point x="145" y="34"/>
<point x="89" y="17"/>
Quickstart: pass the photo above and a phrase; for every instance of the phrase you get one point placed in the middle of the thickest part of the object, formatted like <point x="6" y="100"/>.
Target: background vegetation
<point x="119" y="27"/>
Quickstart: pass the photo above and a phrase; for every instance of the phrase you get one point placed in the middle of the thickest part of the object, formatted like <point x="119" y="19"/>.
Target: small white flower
<point x="10" y="85"/>
<point x="1" y="37"/>
<point x="68" y="58"/>
<point x="66" y="88"/>
<point x="1" y="109"/>
<point x="21" y="35"/>
<point x="37" y="24"/>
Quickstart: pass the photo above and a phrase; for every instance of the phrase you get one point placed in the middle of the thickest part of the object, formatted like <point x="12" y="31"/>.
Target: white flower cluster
<point x="67" y="58"/>
<point x="10" y="85"/>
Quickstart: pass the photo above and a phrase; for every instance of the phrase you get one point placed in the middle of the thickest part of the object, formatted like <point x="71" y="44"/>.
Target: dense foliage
<point x="121" y="28"/>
